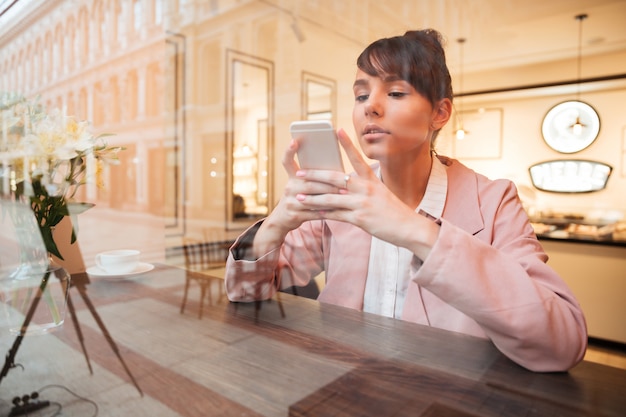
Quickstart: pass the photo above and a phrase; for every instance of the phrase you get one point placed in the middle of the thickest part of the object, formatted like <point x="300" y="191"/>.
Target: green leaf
<point x="78" y="208"/>
<point x="48" y="240"/>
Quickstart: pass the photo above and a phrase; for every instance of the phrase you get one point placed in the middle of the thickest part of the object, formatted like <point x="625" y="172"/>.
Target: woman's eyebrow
<point x="392" y="78"/>
<point x="361" y="82"/>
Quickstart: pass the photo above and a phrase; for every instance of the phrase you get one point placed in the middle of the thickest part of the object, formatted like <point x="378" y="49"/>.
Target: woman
<point x="415" y="236"/>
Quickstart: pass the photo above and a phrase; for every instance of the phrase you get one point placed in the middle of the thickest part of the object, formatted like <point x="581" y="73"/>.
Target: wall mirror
<point x="249" y="108"/>
<point x="570" y="176"/>
<point x="319" y="98"/>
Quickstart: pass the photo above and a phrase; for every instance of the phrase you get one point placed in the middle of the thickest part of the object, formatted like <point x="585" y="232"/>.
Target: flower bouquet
<point x="45" y="157"/>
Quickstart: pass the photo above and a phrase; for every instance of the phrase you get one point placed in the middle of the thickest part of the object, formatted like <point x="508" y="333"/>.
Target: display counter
<point x="580" y="230"/>
<point x="582" y="239"/>
<point x="596" y="273"/>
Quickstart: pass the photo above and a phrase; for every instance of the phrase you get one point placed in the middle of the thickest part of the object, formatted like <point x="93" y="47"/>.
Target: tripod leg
<point x="107" y="336"/>
<point x="10" y="358"/>
<point x="79" y="333"/>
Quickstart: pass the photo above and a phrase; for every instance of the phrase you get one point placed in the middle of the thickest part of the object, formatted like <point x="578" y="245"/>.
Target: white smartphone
<point x="318" y="147"/>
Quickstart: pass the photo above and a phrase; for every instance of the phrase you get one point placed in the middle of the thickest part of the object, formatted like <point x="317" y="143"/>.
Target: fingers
<point x="361" y="167"/>
<point x="289" y="214"/>
<point x="289" y="159"/>
<point x="337" y="179"/>
<point x="318" y="181"/>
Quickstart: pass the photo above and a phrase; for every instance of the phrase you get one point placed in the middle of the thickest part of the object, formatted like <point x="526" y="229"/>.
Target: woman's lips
<point x="373" y="132"/>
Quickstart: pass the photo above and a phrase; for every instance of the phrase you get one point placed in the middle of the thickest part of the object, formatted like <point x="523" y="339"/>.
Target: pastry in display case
<point x="578" y="226"/>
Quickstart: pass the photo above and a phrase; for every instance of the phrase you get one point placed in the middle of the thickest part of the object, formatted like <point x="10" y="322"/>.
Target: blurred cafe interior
<point x="200" y="95"/>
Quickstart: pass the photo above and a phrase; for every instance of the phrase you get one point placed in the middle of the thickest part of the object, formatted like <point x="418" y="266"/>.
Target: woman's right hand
<point x="290" y="213"/>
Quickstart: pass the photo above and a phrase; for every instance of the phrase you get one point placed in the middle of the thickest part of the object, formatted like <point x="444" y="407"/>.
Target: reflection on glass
<point x="570" y="176"/>
<point x="250" y="113"/>
<point x="319" y="98"/>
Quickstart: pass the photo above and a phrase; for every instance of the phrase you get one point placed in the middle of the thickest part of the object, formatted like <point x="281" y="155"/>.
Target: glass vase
<point x="34" y="300"/>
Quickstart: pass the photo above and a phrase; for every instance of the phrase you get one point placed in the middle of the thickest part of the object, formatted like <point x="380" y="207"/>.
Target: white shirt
<point x="388" y="271"/>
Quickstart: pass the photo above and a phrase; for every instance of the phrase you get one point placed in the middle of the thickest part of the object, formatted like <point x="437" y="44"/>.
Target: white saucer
<point x="141" y="268"/>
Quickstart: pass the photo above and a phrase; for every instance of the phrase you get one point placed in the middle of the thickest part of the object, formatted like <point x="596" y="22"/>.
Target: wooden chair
<point x="201" y="259"/>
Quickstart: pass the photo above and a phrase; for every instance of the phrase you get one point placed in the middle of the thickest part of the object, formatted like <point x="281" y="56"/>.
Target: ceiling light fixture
<point x="460" y="131"/>
<point x="572" y="125"/>
<point x="577" y="127"/>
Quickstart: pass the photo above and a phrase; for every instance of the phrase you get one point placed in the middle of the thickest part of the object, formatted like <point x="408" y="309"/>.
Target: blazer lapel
<point x="462" y="206"/>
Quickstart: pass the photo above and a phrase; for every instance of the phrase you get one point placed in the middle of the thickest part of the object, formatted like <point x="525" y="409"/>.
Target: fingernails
<point x="300" y="197"/>
<point x="300" y="173"/>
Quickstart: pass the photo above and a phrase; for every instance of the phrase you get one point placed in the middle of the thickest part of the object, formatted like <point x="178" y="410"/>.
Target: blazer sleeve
<point x="499" y="277"/>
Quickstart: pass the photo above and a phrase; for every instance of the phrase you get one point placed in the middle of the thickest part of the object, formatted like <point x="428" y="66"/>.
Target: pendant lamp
<point x="572" y="125"/>
<point x="460" y="131"/>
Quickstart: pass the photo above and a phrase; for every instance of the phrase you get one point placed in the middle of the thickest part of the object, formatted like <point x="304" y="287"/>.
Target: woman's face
<point x="390" y="117"/>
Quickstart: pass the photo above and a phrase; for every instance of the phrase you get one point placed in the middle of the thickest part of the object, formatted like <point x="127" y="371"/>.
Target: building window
<point x="137" y="15"/>
<point x="158" y="12"/>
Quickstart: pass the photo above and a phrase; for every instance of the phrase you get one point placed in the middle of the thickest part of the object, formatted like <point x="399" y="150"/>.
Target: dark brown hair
<point x="417" y="57"/>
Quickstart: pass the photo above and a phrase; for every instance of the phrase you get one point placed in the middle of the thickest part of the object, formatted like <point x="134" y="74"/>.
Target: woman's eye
<point x="361" y="97"/>
<point x="397" y="94"/>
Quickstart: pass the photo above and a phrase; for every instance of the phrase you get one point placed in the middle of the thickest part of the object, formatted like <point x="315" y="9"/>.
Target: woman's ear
<point x="442" y="113"/>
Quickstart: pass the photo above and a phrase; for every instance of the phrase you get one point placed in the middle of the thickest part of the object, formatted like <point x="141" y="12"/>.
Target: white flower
<point x="52" y="146"/>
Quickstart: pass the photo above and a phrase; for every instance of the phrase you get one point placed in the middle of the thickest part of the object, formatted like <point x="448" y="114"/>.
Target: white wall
<point x="522" y="144"/>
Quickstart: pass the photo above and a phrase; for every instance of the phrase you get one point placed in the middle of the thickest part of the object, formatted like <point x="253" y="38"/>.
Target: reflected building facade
<point x="201" y="95"/>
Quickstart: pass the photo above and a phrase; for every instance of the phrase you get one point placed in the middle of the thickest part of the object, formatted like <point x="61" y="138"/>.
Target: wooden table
<point x="290" y="357"/>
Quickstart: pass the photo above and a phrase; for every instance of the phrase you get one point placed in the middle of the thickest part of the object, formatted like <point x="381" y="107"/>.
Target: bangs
<point x="409" y="59"/>
<point x="381" y="59"/>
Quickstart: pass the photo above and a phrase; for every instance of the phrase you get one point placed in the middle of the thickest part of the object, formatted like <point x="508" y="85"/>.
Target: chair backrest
<point x="201" y="255"/>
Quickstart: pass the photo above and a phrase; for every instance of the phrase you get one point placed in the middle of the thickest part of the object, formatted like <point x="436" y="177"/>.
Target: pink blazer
<point x="486" y="276"/>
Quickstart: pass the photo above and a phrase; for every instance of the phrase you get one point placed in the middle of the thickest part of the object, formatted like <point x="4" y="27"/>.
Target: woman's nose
<point x="373" y="106"/>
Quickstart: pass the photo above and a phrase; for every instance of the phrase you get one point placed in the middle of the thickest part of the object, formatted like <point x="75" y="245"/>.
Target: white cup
<point x="121" y="261"/>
